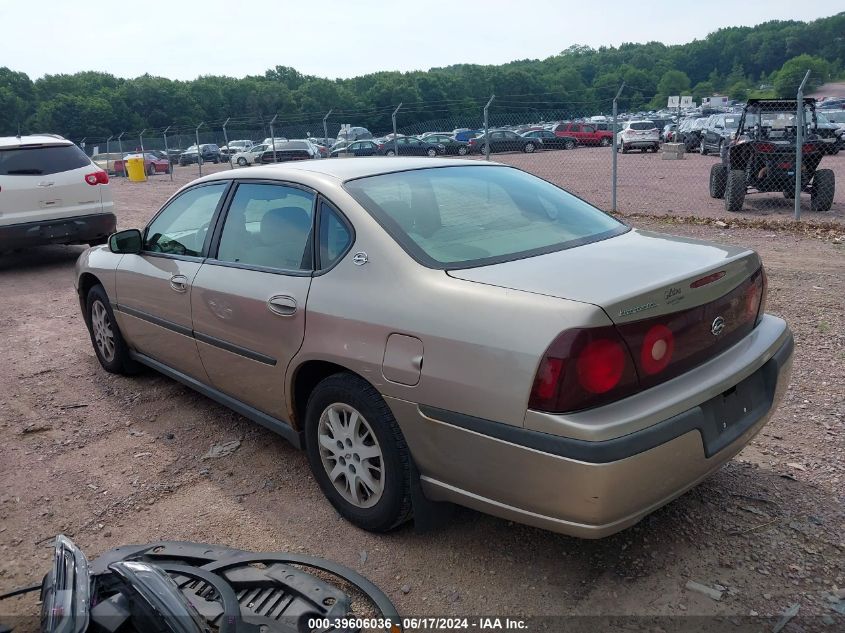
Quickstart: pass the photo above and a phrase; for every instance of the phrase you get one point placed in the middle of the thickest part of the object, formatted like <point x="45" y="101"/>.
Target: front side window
<point x="458" y="217"/>
<point x="181" y="228"/>
<point x="269" y="226"/>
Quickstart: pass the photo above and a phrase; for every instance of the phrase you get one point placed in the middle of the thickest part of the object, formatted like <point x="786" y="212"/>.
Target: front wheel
<point x="358" y="454"/>
<point x="529" y="148"/>
<point x="390" y="152"/>
<point x="605" y="142"/>
<point x="431" y="152"/>
<point x="242" y="161"/>
<point x="151" y="170"/>
<point x="824" y="185"/>
<point x="718" y="180"/>
<point x="624" y="148"/>
<point x="462" y="150"/>
<point x="109" y="346"/>
<point x="702" y="149"/>
<point x="569" y="145"/>
<point x="735" y="190"/>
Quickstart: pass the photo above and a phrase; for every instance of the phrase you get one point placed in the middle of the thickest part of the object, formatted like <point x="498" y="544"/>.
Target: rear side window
<point x="40" y="161"/>
<point x="334" y="236"/>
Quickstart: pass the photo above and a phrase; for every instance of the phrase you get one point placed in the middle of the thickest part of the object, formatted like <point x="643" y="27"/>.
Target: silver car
<point x="459" y="329"/>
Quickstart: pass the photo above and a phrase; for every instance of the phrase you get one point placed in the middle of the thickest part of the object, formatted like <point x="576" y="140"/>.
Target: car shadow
<point x="39" y="257"/>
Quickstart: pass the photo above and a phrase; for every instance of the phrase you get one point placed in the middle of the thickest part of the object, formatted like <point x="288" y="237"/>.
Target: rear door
<point x="248" y="298"/>
<point x="154" y="287"/>
<point x="45" y="182"/>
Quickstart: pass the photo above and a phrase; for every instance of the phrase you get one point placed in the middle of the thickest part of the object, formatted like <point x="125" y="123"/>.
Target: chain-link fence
<point x="746" y="161"/>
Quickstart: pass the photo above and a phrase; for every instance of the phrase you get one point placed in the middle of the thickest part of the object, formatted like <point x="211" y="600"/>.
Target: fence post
<point x="120" y="149"/>
<point x="167" y="153"/>
<point x="326" y="130"/>
<point x="487" y="129"/>
<point x="226" y="139"/>
<point x="108" y="152"/>
<point x="199" y="153"/>
<point x="141" y="139"/>
<point x="615" y="150"/>
<point x="273" y="136"/>
<point x="395" y="140"/>
<point x="799" y="143"/>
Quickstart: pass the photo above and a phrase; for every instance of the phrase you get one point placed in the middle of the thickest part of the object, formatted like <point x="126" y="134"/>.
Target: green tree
<point x="789" y="77"/>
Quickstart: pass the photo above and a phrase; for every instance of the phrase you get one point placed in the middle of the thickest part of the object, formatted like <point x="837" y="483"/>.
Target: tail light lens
<point x="765" y="148"/>
<point x="589" y="367"/>
<point x="583" y="368"/>
<point x="808" y="148"/>
<point x="97" y="178"/>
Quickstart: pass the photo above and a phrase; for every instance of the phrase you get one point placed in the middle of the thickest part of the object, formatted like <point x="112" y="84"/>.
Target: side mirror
<point x="126" y="242"/>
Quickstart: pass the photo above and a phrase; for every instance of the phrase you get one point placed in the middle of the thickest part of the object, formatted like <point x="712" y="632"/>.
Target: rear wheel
<point x="357" y="453"/>
<point x="605" y="142"/>
<point x="109" y="346"/>
<point x="718" y="180"/>
<point x="735" y="190"/>
<point x="390" y="152"/>
<point x="242" y="161"/>
<point x="824" y="185"/>
<point x="431" y="152"/>
<point x="702" y="148"/>
<point x="529" y="148"/>
<point x="569" y="145"/>
<point x="789" y="193"/>
<point x="462" y="150"/>
<point x="151" y="170"/>
<point x="624" y="148"/>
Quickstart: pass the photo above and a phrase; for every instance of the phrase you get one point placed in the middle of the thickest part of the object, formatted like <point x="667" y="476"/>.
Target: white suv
<point x="51" y="193"/>
<point x="642" y="135"/>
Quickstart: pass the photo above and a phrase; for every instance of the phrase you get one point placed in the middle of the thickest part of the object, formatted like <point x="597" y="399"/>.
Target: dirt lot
<point x="112" y="460"/>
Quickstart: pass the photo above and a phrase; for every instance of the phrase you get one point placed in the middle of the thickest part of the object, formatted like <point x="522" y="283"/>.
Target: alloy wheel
<point x="102" y="328"/>
<point x="351" y="455"/>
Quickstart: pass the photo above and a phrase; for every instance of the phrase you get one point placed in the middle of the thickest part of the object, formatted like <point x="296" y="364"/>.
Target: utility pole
<point x="273" y="136"/>
<point x="615" y="148"/>
<point x="799" y="143"/>
<point x="487" y="129"/>
<point x="199" y="152"/>
<point x="395" y="140"/>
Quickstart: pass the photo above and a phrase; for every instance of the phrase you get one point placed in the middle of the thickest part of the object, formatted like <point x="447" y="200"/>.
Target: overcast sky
<point x="182" y="39"/>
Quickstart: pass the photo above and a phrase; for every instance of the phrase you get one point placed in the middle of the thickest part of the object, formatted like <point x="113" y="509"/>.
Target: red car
<point x="586" y="133"/>
<point x="152" y="164"/>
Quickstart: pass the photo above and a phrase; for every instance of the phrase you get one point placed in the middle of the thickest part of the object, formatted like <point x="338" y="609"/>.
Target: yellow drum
<point x="135" y="169"/>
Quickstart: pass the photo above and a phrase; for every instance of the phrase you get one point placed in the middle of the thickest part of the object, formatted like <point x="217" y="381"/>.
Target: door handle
<point x="179" y="283"/>
<point x="282" y="305"/>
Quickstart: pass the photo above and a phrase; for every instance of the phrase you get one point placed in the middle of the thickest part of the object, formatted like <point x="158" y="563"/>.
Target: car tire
<point x="735" y="190"/>
<point x="824" y="186"/>
<point x="431" y="152"/>
<point x="789" y="193"/>
<point x="390" y="152"/>
<point x="702" y="148"/>
<point x="109" y="346"/>
<point x="483" y="149"/>
<point x="529" y="148"/>
<point x="215" y="160"/>
<point x="604" y="142"/>
<point x="242" y="161"/>
<point x="655" y="148"/>
<point x="384" y="502"/>
<point x="718" y="180"/>
<point x="624" y="148"/>
<point x="569" y="145"/>
<point x="151" y="171"/>
<point x="462" y="150"/>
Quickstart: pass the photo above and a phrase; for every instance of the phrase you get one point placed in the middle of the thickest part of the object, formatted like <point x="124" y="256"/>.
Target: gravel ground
<point x="111" y="460"/>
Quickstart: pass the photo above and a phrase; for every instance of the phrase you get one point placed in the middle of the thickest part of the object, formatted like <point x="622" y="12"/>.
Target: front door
<point x="248" y="298"/>
<point x="154" y="287"/>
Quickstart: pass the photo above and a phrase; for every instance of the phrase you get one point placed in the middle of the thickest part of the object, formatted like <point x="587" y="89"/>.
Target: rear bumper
<point x="641" y="142"/>
<point x="590" y="489"/>
<point x="75" y="230"/>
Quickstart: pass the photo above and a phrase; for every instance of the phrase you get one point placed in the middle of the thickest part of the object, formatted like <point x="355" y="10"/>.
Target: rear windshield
<point x="41" y="160"/>
<point x="459" y="217"/>
<point x="642" y="125"/>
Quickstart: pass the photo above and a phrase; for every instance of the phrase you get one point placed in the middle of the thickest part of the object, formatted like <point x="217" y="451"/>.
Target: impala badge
<point x="717" y="326"/>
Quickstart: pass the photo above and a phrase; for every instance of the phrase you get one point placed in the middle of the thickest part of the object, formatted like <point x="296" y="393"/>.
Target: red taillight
<point x="784" y="165"/>
<point x="808" y="148"/>
<point x="583" y="368"/>
<point x="97" y="178"/>
<point x="765" y="148"/>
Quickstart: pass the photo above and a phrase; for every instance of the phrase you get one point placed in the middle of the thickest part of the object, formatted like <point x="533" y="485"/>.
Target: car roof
<point x="344" y="170"/>
<point x="7" y="142"/>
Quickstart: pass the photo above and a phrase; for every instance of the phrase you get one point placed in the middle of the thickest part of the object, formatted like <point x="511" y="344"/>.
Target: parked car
<point x="550" y="140"/>
<point x="354" y="133"/>
<point x="322" y="145"/>
<point x="832" y="104"/>
<point x="586" y="134"/>
<point x="691" y="135"/>
<point x="269" y="140"/>
<point x="465" y="134"/>
<point x="51" y="193"/>
<point x="832" y="135"/>
<point x="504" y="141"/>
<point x="250" y="156"/>
<point x="208" y="153"/>
<point x="760" y="157"/>
<point x="234" y="147"/>
<point x="105" y="161"/>
<point x="296" y="149"/>
<point x="173" y="155"/>
<point x="152" y="163"/>
<point x="409" y="146"/>
<point x="719" y="131"/>
<point x="357" y="148"/>
<point x="450" y="144"/>
<point x="371" y="331"/>
<point x="641" y="135"/>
